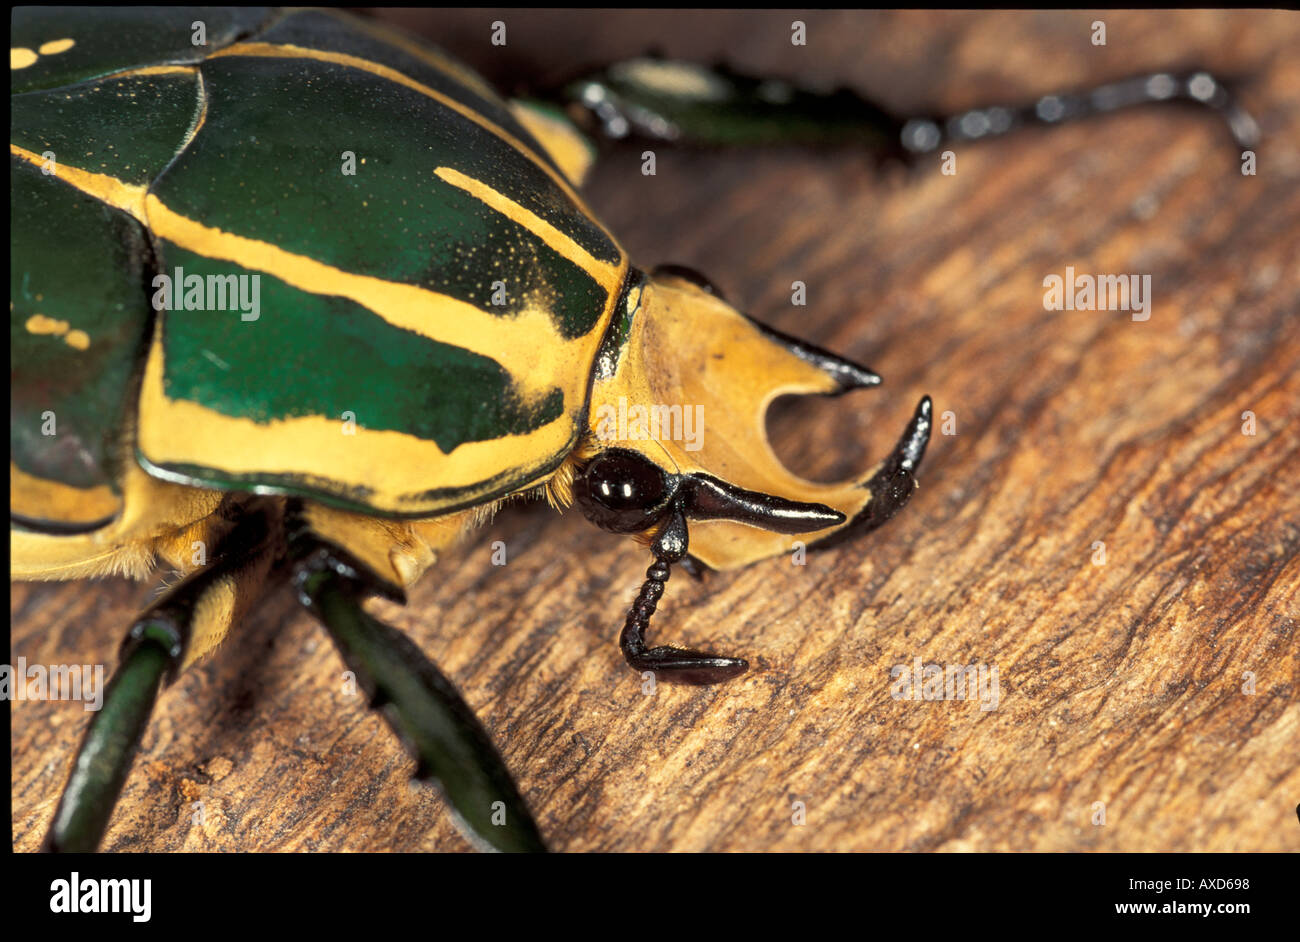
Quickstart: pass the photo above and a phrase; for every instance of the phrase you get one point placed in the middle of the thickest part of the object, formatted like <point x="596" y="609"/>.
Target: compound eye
<point x="622" y="491"/>
<point x="626" y="482"/>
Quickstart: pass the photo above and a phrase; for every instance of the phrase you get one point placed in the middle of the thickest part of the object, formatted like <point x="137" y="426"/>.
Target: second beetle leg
<point x="450" y="746"/>
<point x="109" y="746"/>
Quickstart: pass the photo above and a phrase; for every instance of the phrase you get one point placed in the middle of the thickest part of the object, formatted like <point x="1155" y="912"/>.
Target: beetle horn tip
<point x="911" y="447"/>
<point x="894" y="481"/>
<point x="845" y="372"/>
<point x="852" y="375"/>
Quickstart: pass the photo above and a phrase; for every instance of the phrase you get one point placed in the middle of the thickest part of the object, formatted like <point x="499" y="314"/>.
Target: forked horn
<point x="687" y="348"/>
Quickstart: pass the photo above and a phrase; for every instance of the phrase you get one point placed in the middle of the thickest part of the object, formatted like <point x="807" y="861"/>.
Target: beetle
<point x="446" y="330"/>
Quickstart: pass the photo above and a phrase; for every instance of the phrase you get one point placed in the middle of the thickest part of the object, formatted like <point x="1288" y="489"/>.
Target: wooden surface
<point x="1120" y="683"/>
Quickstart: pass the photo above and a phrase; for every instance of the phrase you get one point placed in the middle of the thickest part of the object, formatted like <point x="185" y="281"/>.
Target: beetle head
<point x="679" y="439"/>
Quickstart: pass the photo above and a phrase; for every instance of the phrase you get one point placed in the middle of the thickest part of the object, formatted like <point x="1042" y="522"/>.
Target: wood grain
<point x="1120" y="683"/>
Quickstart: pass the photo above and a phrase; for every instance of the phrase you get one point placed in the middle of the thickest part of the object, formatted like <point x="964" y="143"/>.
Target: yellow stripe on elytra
<point x="394" y="465"/>
<point x="526" y="345"/>
<point x="288" y="51"/>
<point x="604" y="274"/>
<point x="21" y="57"/>
<point x="565" y="144"/>
<point x="128" y="197"/>
<point x="56" y="46"/>
<point x="149" y="70"/>
<point x="39" y="325"/>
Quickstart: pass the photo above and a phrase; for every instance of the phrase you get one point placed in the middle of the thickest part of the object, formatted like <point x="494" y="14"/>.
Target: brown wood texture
<point x="1124" y="683"/>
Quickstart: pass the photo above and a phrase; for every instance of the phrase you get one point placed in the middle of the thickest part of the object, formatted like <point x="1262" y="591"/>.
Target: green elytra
<point x="248" y="145"/>
<point x="262" y="117"/>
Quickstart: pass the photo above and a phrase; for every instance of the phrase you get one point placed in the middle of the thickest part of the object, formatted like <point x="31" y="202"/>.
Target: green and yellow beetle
<point x="238" y="348"/>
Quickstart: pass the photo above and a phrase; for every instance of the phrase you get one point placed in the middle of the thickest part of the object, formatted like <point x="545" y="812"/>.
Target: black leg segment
<point x="450" y="746"/>
<point x="151" y="654"/>
<point x="110" y="742"/>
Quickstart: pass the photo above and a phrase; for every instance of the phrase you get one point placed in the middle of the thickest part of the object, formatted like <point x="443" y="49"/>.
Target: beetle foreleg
<point x="678" y="665"/>
<point x="670" y="100"/>
<point x="421" y="705"/>
<point x="194" y="614"/>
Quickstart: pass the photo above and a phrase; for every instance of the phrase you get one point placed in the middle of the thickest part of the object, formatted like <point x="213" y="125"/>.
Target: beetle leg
<point x="662" y="99"/>
<point x="451" y="748"/>
<point x="678" y="665"/>
<point x="157" y="646"/>
<point x="109" y="745"/>
<point x="922" y="135"/>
